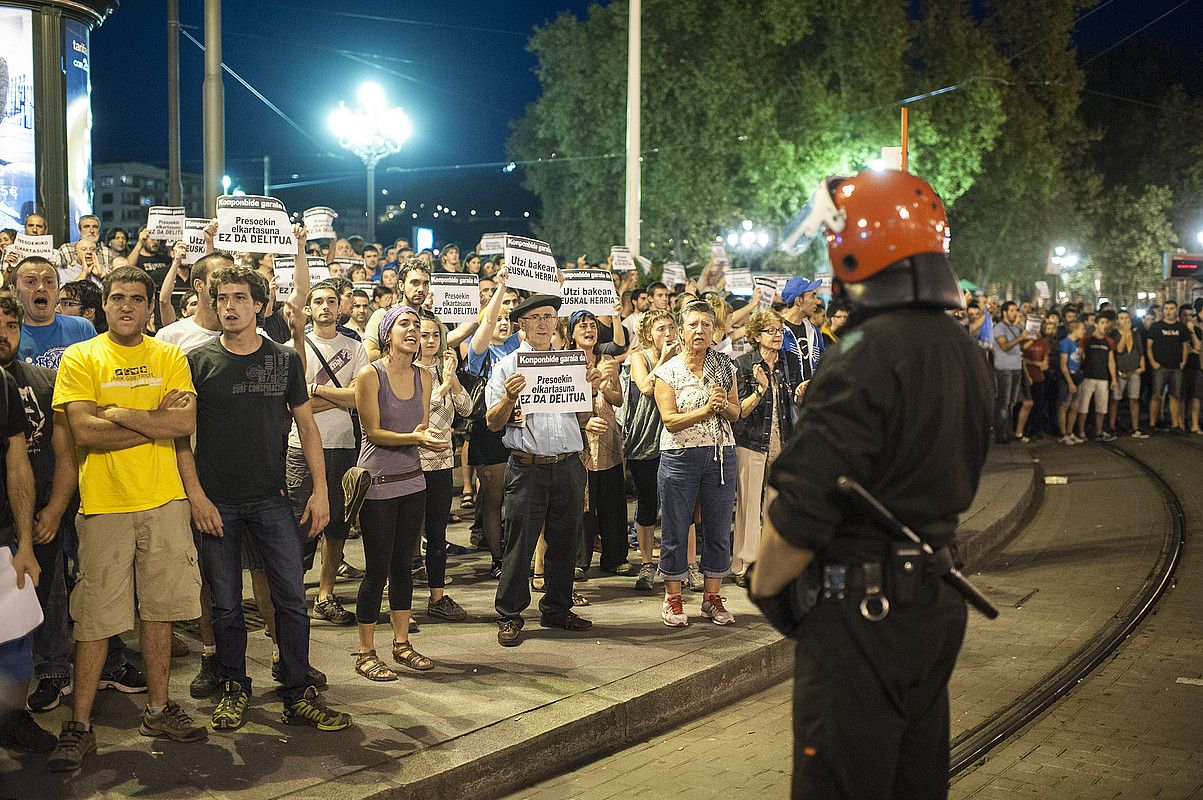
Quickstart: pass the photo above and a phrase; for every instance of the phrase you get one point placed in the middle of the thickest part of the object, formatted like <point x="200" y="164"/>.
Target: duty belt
<point x="404" y="476"/>
<point x="863" y="583"/>
<point x="531" y="458"/>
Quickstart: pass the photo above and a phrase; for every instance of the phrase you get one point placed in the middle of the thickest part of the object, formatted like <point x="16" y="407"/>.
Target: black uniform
<point x="903" y="405"/>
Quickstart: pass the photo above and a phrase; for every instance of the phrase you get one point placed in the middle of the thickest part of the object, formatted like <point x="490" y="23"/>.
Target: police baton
<point x="953" y="577"/>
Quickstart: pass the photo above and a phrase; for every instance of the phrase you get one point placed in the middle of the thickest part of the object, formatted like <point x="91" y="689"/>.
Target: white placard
<point x="719" y="253"/>
<point x="1043" y="290"/>
<point x="165" y="223"/>
<point x="319" y="222"/>
<point x="364" y="286"/>
<point x="346" y="264"/>
<point x="25" y="246"/>
<point x="456" y="296"/>
<point x="285" y="268"/>
<point x="531" y="265"/>
<point x="194" y="239"/>
<point x="555" y="382"/>
<point x="22" y="612"/>
<point x="673" y="275"/>
<point x="1034" y="323"/>
<point x="491" y="244"/>
<point x="767" y="285"/>
<point x="620" y="259"/>
<point x="739" y="281"/>
<point x="253" y="224"/>
<point x="825" y="282"/>
<point x="589" y="290"/>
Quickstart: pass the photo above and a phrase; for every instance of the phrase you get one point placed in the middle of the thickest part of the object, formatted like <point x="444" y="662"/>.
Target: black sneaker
<point x="456" y="549"/>
<point x="125" y="678"/>
<point x="317" y="678"/>
<point x="446" y="608"/>
<point x="172" y="723"/>
<point x="75" y="743"/>
<point x="208" y="681"/>
<point x="310" y="710"/>
<point x="569" y="622"/>
<point x="495" y="570"/>
<point x="47" y="694"/>
<point x="349" y="572"/>
<point x="19" y="732"/>
<point x="509" y="632"/>
<point x="332" y="611"/>
<point x="231" y="709"/>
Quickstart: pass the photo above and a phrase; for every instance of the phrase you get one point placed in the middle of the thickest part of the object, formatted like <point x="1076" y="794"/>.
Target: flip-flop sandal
<point x="579" y="600"/>
<point x="404" y="654"/>
<point x="467" y="500"/>
<point x="371" y="667"/>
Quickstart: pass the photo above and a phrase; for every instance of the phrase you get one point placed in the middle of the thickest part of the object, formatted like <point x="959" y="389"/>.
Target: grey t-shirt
<point x="1008" y="359"/>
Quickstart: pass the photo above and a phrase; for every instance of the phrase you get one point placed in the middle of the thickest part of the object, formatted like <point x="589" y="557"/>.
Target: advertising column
<point x="18" y="189"/>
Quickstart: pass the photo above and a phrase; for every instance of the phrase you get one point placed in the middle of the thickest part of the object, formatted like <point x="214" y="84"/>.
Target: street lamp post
<point x="371" y="130"/>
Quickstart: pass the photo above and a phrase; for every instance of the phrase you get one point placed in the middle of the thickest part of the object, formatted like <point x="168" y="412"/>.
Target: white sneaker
<point x="1139" y="435"/>
<point x="1067" y="440"/>
<point x="714" y="610"/>
<point x="1078" y="439"/>
<point x="674" y="615"/>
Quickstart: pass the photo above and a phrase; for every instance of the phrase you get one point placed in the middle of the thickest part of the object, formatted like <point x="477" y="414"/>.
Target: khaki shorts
<point x="152" y="548"/>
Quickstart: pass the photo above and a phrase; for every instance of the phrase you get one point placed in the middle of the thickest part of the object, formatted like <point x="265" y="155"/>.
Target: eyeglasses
<point x="539" y="318"/>
<point x="68" y="304"/>
<point x="772" y="331"/>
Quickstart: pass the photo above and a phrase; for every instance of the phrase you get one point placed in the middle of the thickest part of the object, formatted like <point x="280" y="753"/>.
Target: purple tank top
<point x="400" y="416"/>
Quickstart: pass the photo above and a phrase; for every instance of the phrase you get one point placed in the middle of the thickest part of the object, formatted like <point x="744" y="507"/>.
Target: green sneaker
<point x="310" y="710"/>
<point x="228" y="716"/>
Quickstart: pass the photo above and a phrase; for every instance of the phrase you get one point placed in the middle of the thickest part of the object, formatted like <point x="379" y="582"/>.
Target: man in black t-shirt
<point x="249" y="392"/>
<point x="1168" y="345"/>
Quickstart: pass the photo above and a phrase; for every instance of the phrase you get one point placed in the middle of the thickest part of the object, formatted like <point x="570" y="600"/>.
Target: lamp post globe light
<point x="371" y="130"/>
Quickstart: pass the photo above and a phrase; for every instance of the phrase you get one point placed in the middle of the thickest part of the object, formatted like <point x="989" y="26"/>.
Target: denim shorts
<point x="1126" y="388"/>
<point x="1164" y="376"/>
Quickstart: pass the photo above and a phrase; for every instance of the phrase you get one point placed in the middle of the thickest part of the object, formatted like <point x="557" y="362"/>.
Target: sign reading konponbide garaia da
<point x="456" y="296"/>
<point x="253" y="224"/>
<point x="532" y="265"/>
<point x="589" y="290"/>
<point x="555" y="382"/>
<point x="285" y="272"/>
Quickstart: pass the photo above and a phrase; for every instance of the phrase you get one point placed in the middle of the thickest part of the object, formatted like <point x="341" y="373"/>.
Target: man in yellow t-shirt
<point x="127" y="399"/>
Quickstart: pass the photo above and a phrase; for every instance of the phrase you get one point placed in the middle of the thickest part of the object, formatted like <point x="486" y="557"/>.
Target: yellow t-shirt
<point x="108" y="374"/>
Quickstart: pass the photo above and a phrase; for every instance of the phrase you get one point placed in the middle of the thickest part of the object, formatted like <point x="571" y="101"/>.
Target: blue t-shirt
<point x="476" y="361"/>
<point x="985" y="334"/>
<point x="63" y="332"/>
<point x="1070" y="348"/>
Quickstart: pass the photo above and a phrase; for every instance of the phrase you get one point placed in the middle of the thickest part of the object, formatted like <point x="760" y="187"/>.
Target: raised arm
<point x="166" y="308"/>
<point x="488" y="323"/>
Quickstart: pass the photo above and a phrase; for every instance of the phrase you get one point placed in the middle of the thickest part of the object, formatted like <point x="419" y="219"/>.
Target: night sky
<point x="460" y="69"/>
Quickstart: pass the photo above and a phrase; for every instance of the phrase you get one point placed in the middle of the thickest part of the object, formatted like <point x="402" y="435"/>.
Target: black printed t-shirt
<point x="14" y="423"/>
<point x="35" y="385"/>
<point x="1167" y="341"/>
<point x="242" y="418"/>
<point x="1095" y="350"/>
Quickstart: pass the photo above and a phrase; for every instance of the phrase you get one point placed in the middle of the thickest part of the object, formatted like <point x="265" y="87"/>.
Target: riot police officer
<point x="903" y="406"/>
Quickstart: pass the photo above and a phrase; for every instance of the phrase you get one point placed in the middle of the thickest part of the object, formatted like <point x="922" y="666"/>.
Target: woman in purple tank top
<point x="392" y="396"/>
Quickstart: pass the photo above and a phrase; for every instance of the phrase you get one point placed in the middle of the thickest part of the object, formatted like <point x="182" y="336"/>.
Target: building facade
<point x="125" y="190"/>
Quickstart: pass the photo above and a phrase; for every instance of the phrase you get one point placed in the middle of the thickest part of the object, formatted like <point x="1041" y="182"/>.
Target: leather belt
<point x="404" y="476"/>
<point x="531" y="458"/>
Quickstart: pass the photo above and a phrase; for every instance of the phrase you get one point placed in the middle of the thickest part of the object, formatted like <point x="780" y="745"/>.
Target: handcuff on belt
<point x="874" y="605"/>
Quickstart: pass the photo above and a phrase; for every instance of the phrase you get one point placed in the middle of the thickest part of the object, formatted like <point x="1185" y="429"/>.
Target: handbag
<point x="355" y="428"/>
<point x="475" y="386"/>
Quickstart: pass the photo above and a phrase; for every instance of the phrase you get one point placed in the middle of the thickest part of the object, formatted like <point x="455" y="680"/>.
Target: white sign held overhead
<point x="285" y="268"/>
<point x="165" y="223"/>
<point x="319" y="222"/>
<point x="27" y="245"/>
<point x="456" y="296"/>
<point x="719" y="253"/>
<point x="343" y="266"/>
<point x="825" y="285"/>
<point x="491" y="244"/>
<point x="589" y="290"/>
<point x="1032" y="328"/>
<point x="555" y="382"/>
<point x="1043" y="290"/>
<point x="194" y="239"/>
<point x="767" y="285"/>
<point x="620" y="259"/>
<point x="531" y="265"/>
<point x="253" y="224"/>
<point x="673" y="274"/>
<point x="739" y="281"/>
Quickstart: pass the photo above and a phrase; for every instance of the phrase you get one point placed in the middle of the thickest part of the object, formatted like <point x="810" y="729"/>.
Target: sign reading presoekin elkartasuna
<point x="555" y="382"/>
<point x="254" y="224"/>
<point x="456" y="296"/>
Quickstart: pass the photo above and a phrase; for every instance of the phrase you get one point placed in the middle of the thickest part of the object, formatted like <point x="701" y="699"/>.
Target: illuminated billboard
<point x="18" y="187"/>
<point x="77" y="74"/>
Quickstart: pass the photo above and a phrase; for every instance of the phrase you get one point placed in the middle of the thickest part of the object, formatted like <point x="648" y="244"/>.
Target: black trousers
<point x="871" y="699"/>
<point x="607" y="517"/>
<point x="389" y="530"/>
<point x="439" y="489"/>
<point x="547" y="499"/>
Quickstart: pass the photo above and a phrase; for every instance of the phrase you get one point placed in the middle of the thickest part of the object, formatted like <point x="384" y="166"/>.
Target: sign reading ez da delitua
<point x="253" y="224"/>
<point x="555" y="382"/>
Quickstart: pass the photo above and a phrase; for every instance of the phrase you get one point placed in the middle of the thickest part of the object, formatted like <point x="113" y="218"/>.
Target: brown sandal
<point x="371" y="667"/>
<point x="405" y="655"/>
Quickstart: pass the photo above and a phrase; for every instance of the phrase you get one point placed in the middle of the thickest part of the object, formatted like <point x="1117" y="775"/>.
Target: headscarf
<point x="575" y="319"/>
<point x="390" y="318"/>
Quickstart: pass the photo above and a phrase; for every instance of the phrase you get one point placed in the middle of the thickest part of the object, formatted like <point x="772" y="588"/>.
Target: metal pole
<point x="267" y="176"/>
<point x="214" y="107"/>
<point x="905" y="143"/>
<point x="371" y="237"/>
<point x="174" y="190"/>
<point x="634" y="111"/>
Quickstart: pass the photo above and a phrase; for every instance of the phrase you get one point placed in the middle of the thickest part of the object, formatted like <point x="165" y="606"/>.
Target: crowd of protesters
<point x="188" y="426"/>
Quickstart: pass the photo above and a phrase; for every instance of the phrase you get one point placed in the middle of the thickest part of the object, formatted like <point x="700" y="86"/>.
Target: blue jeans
<point x="271" y="524"/>
<point x="686" y="477"/>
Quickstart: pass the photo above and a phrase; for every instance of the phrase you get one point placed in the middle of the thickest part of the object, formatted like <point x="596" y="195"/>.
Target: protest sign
<point x="285" y="268"/>
<point x="719" y="254"/>
<point x="1042" y="290"/>
<point x="767" y="285"/>
<point x="825" y="277"/>
<point x="739" y="281"/>
<point x="555" y="382"/>
<point x="165" y="223"/>
<point x="531" y="265"/>
<point x="620" y="259"/>
<point x="253" y="224"/>
<point x="1032" y="327"/>
<point x="364" y="286"/>
<point x="673" y="274"/>
<point x="343" y="266"/>
<point x="456" y="296"/>
<point x="319" y="222"/>
<point x="589" y="290"/>
<point x="194" y="239"/>
<point x="26" y="246"/>
<point x="491" y="244"/>
<point x="646" y="263"/>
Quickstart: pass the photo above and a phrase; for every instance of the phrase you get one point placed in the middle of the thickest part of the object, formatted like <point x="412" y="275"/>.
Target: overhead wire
<point x="1141" y="29"/>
